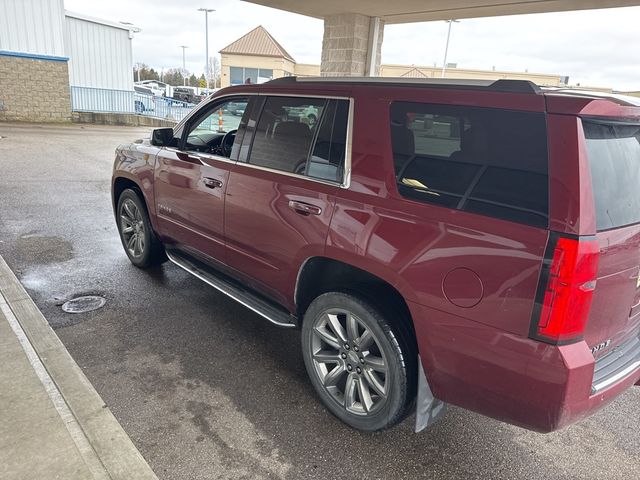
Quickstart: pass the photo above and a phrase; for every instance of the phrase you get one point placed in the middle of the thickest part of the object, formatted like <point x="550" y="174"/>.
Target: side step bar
<point x="263" y="307"/>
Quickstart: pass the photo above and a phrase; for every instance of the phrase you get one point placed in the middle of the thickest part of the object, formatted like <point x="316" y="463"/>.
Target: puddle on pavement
<point x="42" y="250"/>
<point x="87" y="303"/>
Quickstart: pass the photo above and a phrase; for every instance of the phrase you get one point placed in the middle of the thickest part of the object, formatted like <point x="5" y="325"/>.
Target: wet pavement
<point x="204" y="387"/>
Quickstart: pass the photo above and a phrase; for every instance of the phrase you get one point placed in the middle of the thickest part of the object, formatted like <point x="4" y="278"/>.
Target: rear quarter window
<point x="481" y="160"/>
<point x="613" y="151"/>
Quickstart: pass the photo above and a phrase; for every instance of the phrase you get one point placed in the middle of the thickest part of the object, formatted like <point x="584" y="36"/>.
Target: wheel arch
<point x="120" y="184"/>
<point x="319" y="274"/>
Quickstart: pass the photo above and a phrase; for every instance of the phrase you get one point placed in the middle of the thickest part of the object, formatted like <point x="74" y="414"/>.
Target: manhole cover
<point x="84" y="304"/>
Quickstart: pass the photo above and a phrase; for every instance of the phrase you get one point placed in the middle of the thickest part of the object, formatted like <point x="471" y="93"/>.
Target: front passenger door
<point x="282" y="190"/>
<point x="191" y="180"/>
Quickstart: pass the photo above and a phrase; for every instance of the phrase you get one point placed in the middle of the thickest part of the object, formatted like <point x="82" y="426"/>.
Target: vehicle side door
<point x="282" y="190"/>
<point x="191" y="179"/>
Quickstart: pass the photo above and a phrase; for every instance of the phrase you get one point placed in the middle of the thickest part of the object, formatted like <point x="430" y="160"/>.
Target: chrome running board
<point x="263" y="307"/>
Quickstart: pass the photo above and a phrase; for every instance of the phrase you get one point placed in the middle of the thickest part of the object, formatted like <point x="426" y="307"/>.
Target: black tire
<point x="391" y="346"/>
<point x="149" y="251"/>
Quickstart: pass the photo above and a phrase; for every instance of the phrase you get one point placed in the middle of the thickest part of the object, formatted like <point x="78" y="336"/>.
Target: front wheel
<point x="361" y="369"/>
<point x="140" y="242"/>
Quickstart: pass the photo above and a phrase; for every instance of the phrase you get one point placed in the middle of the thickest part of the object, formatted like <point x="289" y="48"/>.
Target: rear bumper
<point x="513" y="379"/>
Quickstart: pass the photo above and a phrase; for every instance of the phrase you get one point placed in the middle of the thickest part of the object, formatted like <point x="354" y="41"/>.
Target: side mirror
<point x="162" y="137"/>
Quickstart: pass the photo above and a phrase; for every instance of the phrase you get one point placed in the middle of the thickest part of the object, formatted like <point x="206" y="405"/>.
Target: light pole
<point x="446" y="48"/>
<point x="206" y="11"/>
<point x="184" y="68"/>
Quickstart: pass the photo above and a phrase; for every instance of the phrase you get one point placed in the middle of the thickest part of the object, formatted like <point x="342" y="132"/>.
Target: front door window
<point x="214" y="131"/>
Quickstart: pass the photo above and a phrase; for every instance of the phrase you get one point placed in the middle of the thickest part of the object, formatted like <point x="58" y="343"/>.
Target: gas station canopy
<point x="354" y="29"/>
<point x="407" y="11"/>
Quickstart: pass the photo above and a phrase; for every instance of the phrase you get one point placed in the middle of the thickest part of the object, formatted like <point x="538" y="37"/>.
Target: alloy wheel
<point x="349" y="362"/>
<point x="132" y="228"/>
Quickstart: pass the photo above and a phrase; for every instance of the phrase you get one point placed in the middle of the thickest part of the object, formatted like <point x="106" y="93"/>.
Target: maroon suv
<point x="471" y="243"/>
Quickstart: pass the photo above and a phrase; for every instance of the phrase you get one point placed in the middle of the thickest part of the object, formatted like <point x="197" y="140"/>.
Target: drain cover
<point x="84" y="304"/>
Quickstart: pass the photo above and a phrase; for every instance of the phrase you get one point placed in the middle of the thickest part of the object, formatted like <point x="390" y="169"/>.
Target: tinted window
<point x="285" y="133"/>
<point x="487" y="161"/>
<point x="614" y="160"/>
<point x="327" y="159"/>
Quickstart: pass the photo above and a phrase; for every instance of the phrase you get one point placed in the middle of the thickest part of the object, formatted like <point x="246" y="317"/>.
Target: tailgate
<point x="615" y="309"/>
<point x="613" y="151"/>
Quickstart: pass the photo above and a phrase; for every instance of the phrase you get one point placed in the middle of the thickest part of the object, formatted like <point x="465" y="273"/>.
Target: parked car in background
<point x="144" y="100"/>
<point x="235" y="108"/>
<point x="477" y="243"/>
<point x="158" y="89"/>
<point x="186" y="94"/>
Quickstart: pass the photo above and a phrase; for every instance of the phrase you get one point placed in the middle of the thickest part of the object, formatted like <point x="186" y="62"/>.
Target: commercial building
<point x="258" y="57"/>
<point x="45" y="50"/>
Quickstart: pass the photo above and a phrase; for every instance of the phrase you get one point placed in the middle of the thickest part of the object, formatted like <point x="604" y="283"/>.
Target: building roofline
<point x="100" y="21"/>
<point x="283" y="53"/>
<point x="474" y="70"/>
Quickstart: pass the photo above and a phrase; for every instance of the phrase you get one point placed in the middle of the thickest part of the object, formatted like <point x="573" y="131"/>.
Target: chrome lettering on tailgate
<point x="601" y="346"/>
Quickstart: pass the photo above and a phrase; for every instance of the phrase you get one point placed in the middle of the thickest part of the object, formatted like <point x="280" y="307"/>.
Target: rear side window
<point x="481" y="160"/>
<point x="614" y="159"/>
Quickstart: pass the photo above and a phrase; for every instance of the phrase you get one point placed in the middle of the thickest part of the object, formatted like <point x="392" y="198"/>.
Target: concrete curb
<point x="111" y="446"/>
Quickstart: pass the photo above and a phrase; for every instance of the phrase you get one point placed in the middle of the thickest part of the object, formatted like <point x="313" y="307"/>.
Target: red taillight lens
<point x="567" y="297"/>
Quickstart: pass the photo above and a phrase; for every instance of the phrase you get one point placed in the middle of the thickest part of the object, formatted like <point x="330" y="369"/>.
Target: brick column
<point x="346" y="43"/>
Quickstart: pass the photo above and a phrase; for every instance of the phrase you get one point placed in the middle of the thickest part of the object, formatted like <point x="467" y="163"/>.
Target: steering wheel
<point x="227" y="142"/>
<point x="300" y="167"/>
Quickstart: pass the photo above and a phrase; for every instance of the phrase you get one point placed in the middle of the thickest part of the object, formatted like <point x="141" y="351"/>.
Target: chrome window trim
<point x="346" y="168"/>
<point x="195" y="153"/>
<point x="212" y="156"/>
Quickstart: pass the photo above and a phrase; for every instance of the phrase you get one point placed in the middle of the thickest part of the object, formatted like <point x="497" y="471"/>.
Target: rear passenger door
<point x="292" y="159"/>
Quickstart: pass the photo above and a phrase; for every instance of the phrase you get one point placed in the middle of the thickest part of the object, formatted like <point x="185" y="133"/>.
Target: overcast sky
<point x="594" y="47"/>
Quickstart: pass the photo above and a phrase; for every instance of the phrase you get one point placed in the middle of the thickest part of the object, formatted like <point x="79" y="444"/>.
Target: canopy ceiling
<point x="407" y="11"/>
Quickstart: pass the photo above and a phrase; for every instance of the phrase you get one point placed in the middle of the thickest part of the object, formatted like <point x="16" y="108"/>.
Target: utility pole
<point x="184" y="67"/>
<point x="446" y="48"/>
<point x="206" y="11"/>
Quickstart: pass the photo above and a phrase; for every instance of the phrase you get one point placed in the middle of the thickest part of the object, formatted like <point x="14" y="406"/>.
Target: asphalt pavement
<point x="207" y="389"/>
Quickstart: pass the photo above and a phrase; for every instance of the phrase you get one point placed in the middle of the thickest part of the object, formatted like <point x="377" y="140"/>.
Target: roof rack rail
<point x="502" y="85"/>
<point x="286" y="80"/>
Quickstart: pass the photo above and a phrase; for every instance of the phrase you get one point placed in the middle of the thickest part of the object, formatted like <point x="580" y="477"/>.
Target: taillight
<point x="566" y="288"/>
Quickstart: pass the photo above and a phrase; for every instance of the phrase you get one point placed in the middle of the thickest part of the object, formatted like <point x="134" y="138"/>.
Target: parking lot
<point x="207" y="389"/>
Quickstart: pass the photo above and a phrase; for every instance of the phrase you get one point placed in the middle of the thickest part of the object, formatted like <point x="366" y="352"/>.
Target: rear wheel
<point x="356" y="362"/>
<point x="140" y="242"/>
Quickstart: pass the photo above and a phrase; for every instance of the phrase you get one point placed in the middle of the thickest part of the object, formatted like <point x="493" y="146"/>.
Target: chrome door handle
<point x="304" y="208"/>
<point x="212" y="182"/>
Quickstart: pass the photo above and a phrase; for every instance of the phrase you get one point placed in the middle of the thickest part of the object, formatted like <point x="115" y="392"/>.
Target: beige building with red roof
<point x="259" y="57"/>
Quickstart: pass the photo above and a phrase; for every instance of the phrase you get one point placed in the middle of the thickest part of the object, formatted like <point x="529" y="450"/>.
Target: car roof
<point x="554" y="99"/>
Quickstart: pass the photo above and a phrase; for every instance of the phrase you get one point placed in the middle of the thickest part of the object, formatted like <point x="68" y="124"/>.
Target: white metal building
<point x="46" y="49"/>
<point x="99" y="52"/>
<point x="33" y="27"/>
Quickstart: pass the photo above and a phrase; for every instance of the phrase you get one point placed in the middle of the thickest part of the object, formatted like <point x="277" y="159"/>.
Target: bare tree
<point x="214" y="72"/>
